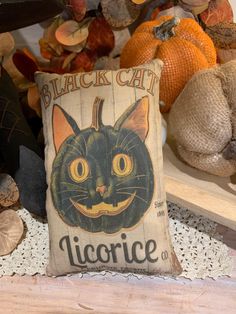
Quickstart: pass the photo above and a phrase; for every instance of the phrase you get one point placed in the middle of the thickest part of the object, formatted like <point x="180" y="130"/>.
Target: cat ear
<point x="135" y="118"/>
<point x="63" y="126"/>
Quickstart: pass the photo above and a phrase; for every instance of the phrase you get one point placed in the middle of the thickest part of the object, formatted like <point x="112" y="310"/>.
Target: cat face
<point x="102" y="176"/>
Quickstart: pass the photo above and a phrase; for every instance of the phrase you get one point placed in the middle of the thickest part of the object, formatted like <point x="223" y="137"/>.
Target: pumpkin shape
<point x="106" y="208"/>
<point x="181" y="44"/>
<point x="203" y="120"/>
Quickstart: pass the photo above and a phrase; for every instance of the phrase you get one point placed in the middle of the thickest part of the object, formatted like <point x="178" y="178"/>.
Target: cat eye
<point x="79" y="170"/>
<point x="122" y="165"/>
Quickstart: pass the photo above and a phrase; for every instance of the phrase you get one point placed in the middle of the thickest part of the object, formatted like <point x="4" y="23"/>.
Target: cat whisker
<point x="73" y="190"/>
<point x="124" y="139"/>
<point x="132" y="147"/>
<point x="67" y="208"/>
<point x="127" y="135"/>
<point x="73" y="185"/>
<point x="77" y="198"/>
<point x="130" y="141"/>
<point x="132" y="187"/>
<point x="126" y="193"/>
<point x="80" y="199"/>
<point x="135" y="177"/>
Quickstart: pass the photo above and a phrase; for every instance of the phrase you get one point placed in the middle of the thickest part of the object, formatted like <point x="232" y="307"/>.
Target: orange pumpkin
<point x="182" y="45"/>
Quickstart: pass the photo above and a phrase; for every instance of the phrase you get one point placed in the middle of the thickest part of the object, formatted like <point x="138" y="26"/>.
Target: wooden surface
<point x="204" y="194"/>
<point x="120" y="295"/>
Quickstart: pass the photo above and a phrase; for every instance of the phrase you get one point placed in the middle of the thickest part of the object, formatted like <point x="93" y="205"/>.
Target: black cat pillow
<point x="106" y="203"/>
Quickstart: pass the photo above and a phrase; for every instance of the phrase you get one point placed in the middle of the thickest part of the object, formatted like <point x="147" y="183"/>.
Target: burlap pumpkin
<point x="203" y="120"/>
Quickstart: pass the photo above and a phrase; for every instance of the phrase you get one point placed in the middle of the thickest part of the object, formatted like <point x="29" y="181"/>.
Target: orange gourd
<point x="182" y="45"/>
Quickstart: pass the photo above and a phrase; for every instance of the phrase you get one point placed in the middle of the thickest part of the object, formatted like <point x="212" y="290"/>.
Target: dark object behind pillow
<point x="30" y="179"/>
<point x="15" y="132"/>
<point x="16" y="14"/>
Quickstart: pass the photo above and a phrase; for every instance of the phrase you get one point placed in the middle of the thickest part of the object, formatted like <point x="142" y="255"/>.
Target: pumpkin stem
<point x="166" y="30"/>
<point x="97" y="113"/>
<point x="230" y="151"/>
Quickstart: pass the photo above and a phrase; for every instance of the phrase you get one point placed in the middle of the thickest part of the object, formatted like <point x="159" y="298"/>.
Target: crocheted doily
<point x="197" y="245"/>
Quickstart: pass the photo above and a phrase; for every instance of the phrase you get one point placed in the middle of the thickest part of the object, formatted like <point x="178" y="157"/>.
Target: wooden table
<point x="120" y="295"/>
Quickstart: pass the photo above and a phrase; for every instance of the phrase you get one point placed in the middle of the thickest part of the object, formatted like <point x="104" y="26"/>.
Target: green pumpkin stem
<point x="166" y="30"/>
<point x="97" y="113"/>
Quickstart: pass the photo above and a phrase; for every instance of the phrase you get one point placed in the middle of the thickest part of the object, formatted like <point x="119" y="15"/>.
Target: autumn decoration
<point x="180" y="43"/>
<point x="14" y="133"/>
<point x="11" y="231"/>
<point x="120" y="13"/>
<point x="73" y="42"/>
<point x="203" y="122"/>
<point x="218" y="11"/>
<point x="11" y="225"/>
<point x="9" y="193"/>
<point x="189" y="36"/>
<point x="224" y="38"/>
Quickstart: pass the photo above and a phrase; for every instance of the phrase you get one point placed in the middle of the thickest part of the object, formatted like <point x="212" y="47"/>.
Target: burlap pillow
<point x="203" y="120"/>
<point x="105" y="202"/>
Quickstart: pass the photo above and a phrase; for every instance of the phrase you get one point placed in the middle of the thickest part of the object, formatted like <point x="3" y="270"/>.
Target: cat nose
<point x="101" y="189"/>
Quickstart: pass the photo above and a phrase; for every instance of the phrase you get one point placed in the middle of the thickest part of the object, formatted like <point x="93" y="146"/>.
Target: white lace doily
<point x="197" y="244"/>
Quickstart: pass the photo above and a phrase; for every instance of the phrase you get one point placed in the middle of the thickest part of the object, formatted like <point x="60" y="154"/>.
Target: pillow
<point x="106" y="203"/>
